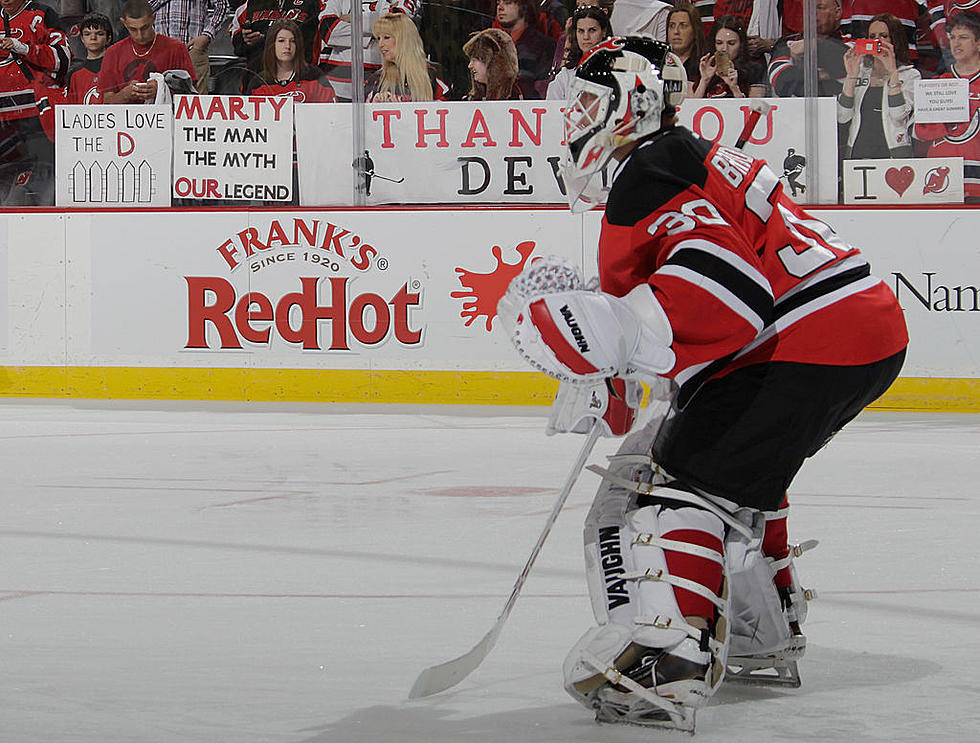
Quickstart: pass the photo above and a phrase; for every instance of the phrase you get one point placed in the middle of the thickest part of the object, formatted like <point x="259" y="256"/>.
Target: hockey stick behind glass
<point x="445" y="675"/>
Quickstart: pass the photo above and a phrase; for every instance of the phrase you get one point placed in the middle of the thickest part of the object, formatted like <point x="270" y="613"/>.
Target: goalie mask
<point x="620" y="90"/>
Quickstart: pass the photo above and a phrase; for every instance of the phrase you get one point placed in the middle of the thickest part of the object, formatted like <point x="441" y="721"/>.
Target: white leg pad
<point x="758" y="624"/>
<point x="644" y="659"/>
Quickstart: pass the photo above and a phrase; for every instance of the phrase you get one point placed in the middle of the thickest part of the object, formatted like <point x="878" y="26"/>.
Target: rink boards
<point x="377" y="305"/>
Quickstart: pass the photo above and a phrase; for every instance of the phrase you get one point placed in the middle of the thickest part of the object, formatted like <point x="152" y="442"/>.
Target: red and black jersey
<point x="958" y="140"/>
<point x="941" y="11"/>
<point x="41" y="63"/>
<point x="743" y="273"/>
<point x="83" y="82"/>
<point x="711" y="10"/>
<point x="258" y="15"/>
<point x="301" y="91"/>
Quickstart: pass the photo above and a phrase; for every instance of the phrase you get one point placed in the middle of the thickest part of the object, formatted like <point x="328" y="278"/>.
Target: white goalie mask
<point x="621" y="89"/>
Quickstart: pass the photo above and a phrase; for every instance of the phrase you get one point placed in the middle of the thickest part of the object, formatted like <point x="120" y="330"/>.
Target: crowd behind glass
<point x="869" y="55"/>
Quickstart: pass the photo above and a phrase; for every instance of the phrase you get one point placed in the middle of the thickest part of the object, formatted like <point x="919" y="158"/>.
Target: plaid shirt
<point x="188" y="19"/>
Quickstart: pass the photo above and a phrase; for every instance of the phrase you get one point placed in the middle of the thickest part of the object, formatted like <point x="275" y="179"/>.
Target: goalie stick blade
<point x="445" y="675"/>
<point x="441" y="677"/>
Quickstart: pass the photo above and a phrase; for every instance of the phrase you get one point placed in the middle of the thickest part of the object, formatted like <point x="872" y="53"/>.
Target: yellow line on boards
<point x="376" y="386"/>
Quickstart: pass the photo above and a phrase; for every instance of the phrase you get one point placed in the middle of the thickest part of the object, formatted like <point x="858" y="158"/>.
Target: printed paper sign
<point x="113" y="156"/>
<point x="930" y="180"/>
<point x="233" y="148"/>
<point x="942" y="101"/>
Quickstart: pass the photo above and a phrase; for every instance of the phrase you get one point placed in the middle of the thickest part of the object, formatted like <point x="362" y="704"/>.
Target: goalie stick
<point x="440" y="677"/>
<point x="445" y="675"/>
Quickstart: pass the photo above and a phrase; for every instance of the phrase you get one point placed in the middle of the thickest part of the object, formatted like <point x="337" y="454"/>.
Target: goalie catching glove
<point x="577" y="335"/>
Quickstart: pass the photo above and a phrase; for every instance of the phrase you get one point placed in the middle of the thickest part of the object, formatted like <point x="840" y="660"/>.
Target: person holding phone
<point x="876" y="102"/>
<point x="726" y="72"/>
<point x="126" y="67"/>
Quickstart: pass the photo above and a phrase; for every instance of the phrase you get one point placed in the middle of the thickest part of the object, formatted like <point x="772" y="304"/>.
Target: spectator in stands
<point x="962" y="139"/>
<point x="405" y="73"/>
<point x="685" y="34"/>
<point x="445" y="26"/>
<point x="940" y="12"/>
<point x="126" y="68"/>
<point x="285" y="71"/>
<point x="649" y="17"/>
<point x="34" y="60"/>
<point x="856" y="17"/>
<point x="726" y="72"/>
<point x="589" y="25"/>
<point x="251" y="23"/>
<point x="535" y="50"/>
<point x="711" y="10"/>
<point x="764" y="28"/>
<point x="786" y="67"/>
<point x="335" y="33"/>
<point x="95" y="31"/>
<point x="194" y="22"/>
<point x="493" y="66"/>
<point x="111" y="9"/>
<point x="876" y="102"/>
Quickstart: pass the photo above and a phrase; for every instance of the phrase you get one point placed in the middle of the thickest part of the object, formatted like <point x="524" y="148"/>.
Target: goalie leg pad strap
<point x="648" y="568"/>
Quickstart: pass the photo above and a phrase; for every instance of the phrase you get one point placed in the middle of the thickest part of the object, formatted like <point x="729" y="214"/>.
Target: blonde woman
<point x="405" y="74"/>
<point x="493" y="66"/>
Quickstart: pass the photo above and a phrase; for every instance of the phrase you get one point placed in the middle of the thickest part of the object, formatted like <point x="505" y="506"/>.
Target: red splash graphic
<point x="484" y="290"/>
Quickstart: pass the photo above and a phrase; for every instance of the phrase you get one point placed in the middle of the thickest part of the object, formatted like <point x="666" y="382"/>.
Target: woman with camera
<point x="727" y="72"/>
<point x="875" y="105"/>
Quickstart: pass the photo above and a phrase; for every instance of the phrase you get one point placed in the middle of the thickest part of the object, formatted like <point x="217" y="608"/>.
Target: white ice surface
<point x="271" y="576"/>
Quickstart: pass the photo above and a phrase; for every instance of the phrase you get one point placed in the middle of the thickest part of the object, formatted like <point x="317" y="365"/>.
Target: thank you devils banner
<point x="512" y="151"/>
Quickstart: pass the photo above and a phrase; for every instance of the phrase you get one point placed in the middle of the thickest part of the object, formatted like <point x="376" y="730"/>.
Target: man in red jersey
<point x="940" y="13"/>
<point x="34" y="59"/>
<point x="766" y="331"/>
<point x="126" y="68"/>
<point x="961" y="139"/>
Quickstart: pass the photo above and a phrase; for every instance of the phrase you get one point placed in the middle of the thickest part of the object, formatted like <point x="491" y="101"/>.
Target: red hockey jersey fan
<point x="959" y="140"/>
<point x="37" y="61"/>
<point x="301" y="91"/>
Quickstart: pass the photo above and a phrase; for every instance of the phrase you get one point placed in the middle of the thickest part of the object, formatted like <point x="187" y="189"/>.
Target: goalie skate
<point x="779" y="667"/>
<point x="650" y="687"/>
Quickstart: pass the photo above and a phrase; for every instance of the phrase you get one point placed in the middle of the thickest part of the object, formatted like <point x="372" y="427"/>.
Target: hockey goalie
<point x="767" y="332"/>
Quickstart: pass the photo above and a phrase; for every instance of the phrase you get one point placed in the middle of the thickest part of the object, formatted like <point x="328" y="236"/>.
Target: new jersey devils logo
<point x="937" y="180"/>
<point x="612" y="44"/>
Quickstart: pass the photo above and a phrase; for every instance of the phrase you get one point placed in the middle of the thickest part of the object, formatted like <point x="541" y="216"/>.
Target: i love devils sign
<point x="930" y="180"/>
